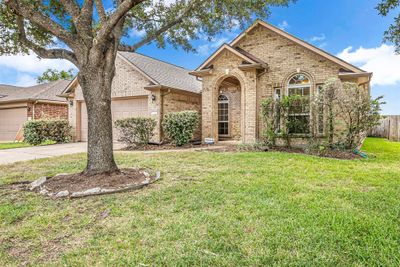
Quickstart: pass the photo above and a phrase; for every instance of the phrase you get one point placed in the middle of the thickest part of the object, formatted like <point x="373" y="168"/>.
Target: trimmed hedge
<point x="135" y="131"/>
<point x="40" y="131"/>
<point x="180" y="126"/>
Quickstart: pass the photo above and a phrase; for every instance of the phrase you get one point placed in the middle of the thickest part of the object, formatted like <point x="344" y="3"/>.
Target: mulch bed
<point x="335" y="154"/>
<point x="78" y="182"/>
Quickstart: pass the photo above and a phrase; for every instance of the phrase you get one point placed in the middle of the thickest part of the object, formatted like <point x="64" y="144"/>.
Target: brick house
<point x="226" y="89"/>
<point x="19" y="104"/>
<point x="142" y="86"/>
<point x="263" y="61"/>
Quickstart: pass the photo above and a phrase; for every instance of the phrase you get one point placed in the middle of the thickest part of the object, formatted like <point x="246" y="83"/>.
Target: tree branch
<point x="100" y="11"/>
<point x="149" y="38"/>
<point x="41" y="20"/>
<point x="113" y="20"/>
<point x="40" y="51"/>
<point x="72" y="7"/>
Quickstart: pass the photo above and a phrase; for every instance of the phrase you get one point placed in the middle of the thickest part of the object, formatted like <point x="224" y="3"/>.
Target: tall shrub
<point x="180" y="126"/>
<point x="268" y="116"/>
<point x="135" y="131"/>
<point x="39" y="131"/>
<point x="359" y="112"/>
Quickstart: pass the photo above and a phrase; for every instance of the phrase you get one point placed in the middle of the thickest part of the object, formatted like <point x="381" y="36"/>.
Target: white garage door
<point x="11" y="120"/>
<point x="120" y="109"/>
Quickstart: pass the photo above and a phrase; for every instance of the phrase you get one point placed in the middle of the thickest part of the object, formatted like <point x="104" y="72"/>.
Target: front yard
<point x="210" y="208"/>
<point x="11" y="145"/>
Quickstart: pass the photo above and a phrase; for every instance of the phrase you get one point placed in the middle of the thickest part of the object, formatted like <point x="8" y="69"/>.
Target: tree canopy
<point x="56" y="29"/>
<point x="51" y="75"/>
<point x="393" y="33"/>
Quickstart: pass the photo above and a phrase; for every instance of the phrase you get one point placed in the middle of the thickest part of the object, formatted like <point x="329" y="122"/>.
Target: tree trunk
<point x="96" y="81"/>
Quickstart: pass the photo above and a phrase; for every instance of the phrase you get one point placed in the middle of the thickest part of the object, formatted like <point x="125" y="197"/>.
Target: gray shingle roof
<point x="164" y="73"/>
<point x="48" y="91"/>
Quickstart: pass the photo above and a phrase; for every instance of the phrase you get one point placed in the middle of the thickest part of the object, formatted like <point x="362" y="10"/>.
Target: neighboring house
<point x="263" y="61"/>
<point x="142" y="86"/>
<point x="19" y="104"/>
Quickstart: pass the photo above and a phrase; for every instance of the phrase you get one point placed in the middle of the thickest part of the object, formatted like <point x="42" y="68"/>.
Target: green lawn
<point x="21" y="144"/>
<point x="214" y="209"/>
<point x="13" y="145"/>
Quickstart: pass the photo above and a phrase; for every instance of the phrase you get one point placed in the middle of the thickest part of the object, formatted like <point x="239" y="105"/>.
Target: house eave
<point x="201" y="73"/>
<point x="34" y="100"/>
<point x="170" y="89"/>
<point x="257" y="66"/>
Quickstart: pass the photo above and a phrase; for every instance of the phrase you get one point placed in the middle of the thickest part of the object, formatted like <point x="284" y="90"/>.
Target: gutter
<point x="163" y="87"/>
<point x="45" y="101"/>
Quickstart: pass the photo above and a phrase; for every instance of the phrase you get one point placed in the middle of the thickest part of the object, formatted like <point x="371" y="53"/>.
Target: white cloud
<point x="382" y="61"/>
<point x="136" y="33"/>
<point x="25" y="80"/>
<point x="206" y="49"/>
<point x="283" y="25"/>
<point x="26" y="68"/>
<point x="319" y="38"/>
<point x="32" y="64"/>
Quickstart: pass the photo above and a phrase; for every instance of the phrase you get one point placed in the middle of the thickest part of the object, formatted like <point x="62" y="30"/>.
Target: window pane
<point x="299" y="124"/>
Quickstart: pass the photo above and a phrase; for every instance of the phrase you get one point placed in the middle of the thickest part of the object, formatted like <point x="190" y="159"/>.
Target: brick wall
<point x="175" y="102"/>
<point x="284" y="58"/>
<point x="46" y="110"/>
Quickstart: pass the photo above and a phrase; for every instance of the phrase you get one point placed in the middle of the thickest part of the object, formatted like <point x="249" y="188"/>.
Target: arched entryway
<point x="229" y="109"/>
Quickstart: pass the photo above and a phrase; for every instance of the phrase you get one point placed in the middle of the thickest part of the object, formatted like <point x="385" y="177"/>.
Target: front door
<point x="223" y="117"/>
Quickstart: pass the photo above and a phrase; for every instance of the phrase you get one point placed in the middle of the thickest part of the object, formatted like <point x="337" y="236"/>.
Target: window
<point x="223" y="115"/>
<point x="299" y="113"/>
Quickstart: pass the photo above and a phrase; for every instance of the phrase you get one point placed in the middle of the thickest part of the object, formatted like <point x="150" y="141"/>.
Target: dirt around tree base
<point x="79" y="185"/>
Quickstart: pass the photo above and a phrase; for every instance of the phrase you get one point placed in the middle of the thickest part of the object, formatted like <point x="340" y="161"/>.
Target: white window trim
<point x="224" y="102"/>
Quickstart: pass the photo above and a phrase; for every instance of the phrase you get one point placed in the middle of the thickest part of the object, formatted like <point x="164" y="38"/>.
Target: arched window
<point x="299" y="84"/>
<point x="223" y="115"/>
<point x="299" y="113"/>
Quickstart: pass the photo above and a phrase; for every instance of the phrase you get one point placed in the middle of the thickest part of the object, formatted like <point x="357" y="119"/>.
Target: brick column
<point x="250" y="108"/>
<point x="208" y="110"/>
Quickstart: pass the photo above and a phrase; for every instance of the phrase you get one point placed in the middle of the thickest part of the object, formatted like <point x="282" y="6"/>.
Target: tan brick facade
<point x="284" y="57"/>
<point x="129" y="83"/>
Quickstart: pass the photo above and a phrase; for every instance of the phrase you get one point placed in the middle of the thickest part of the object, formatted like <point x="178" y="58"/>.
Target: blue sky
<point x="351" y="30"/>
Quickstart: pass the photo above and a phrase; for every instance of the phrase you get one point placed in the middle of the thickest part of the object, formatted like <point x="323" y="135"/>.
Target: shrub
<point x="180" y="126"/>
<point x="40" y="131"/>
<point x="135" y="131"/>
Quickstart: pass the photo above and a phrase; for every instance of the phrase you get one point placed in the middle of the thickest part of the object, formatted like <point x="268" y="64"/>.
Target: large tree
<point x="88" y="33"/>
<point x="393" y="33"/>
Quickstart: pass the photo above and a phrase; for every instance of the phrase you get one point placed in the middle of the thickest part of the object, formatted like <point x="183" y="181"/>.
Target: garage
<point x="11" y="120"/>
<point x="120" y="109"/>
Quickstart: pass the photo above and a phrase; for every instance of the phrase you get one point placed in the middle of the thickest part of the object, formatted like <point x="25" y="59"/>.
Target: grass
<point x="21" y="144"/>
<point x="214" y="209"/>
<point x="13" y="145"/>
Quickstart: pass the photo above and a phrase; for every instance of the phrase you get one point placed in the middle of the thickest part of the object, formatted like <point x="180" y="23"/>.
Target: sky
<point x="351" y="30"/>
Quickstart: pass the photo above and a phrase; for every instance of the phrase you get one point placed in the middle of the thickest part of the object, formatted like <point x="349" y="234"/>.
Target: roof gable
<point x="222" y="48"/>
<point x="338" y="61"/>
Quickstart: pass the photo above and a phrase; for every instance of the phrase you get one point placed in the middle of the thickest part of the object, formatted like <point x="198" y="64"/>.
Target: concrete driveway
<point x="38" y="152"/>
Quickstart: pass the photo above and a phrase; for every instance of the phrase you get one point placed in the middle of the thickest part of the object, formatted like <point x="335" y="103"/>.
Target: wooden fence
<point x="389" y="128"/>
